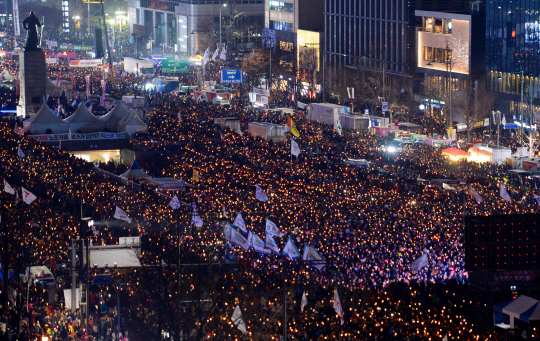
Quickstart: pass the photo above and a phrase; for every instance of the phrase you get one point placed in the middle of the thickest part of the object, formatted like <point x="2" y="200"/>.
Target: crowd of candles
<point x="369" y="224"/>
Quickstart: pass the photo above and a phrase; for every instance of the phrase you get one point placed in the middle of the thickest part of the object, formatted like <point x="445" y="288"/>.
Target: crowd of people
<point x="368" y="223"/>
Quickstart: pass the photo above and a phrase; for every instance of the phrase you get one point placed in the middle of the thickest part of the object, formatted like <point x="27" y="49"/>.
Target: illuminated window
<point x="281" y="6"/>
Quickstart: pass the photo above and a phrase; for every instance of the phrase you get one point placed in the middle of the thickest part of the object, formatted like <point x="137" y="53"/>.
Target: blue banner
<point x="232" y="76"/>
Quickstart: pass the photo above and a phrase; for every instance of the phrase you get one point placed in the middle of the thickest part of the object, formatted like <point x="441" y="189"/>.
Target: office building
<point x="376" y="35"/>
<point x="446" y="54"/>
<point x="513" y="47"/>
<point x="188" y="26"/>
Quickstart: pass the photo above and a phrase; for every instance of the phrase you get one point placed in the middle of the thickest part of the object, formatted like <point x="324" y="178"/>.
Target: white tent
<point x="84" y="121"/>
<point x="134" y="171"/>
<point x="6" y="76"/>
<point x="113" y="117"/>
<point x="523" y="308"/>
<point x="45" y="119"/>
<point x="132" y="124"/>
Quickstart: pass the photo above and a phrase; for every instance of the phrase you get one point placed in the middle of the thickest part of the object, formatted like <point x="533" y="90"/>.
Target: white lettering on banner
<point x="80" y="137"/>
<point x="16" y="23"/>
<point x="85" y="63"/>
<point x="260" y="91"/>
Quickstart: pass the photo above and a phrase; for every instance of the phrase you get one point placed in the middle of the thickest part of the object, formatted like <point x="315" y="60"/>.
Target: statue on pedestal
<point x="31" y="25"/>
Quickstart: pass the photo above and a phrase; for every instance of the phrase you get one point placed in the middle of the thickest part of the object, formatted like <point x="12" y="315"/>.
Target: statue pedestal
<point x="33" y="82"/>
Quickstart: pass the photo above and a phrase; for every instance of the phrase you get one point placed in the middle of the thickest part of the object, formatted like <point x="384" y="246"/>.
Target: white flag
<point x="175" y="203"/>
<point x="445" y="338"/>
<point x="312" y="256"/>
<point x="28" y="197"/>
<point x="420" y="262"/>
<point x="240" y="223"/>
<point x="295" y="150"/>
<point x="238" y="320"/>
<point x="205" y="57"/>
<point x="535" y="197"/>
<point x="337" y="307"/>
<point x="503" y="120"/>
<point x="196" y="218"/>
<point x="224" y="211"/>
<point x="238" y="240"/>
<point x="337" y="126"/>
<point x="290" y="250"/>
<point x="227" y="232"/>
<point x="20" y="153"/>
<point x="270" y="244"/>
<point x="304" y="302"/>
<point x="96" y="163"/>
<point x="257" y="244"/>
<point x="215" y="55"/>
<point x="273" y="229"/>
<point x="504" y="194"/>
<point x="120" y="214"/>
<point x="223" y="54"/>
<point x="259" y="194"/>
<point x="8" y="188"/>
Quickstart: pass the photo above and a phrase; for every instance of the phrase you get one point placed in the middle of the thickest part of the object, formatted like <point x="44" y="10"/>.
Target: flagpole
<point x="284" y="300"/>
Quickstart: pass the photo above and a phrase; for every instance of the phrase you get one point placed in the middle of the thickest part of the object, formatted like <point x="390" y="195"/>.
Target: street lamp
<point x="220" y="8"/>
<point x="522" y="79"/>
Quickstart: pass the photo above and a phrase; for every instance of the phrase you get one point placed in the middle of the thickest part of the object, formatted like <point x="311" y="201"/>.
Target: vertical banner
<point x="73" y="85"/>
<point x="87" y="77"/>
<point x="103" y="86"/>
<point x="16" y="23"/>
<point x="57" y="83"/>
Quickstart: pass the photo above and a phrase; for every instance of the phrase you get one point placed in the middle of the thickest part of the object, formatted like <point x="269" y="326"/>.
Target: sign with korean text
<point x="231" y="76"/>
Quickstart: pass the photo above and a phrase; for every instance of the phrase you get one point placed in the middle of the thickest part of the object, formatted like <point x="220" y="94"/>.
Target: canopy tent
<point x="135" y="171"/>
<point x="455" y="153"/>
<point x="6" y="76"/>
<point x="113" y="117"/>
<point x="523" y="308"/>
<point x="45" y="119"/>
<point x="82" y="120"/>
<point x="479" y="155"/>
<point x="132" y="124"/>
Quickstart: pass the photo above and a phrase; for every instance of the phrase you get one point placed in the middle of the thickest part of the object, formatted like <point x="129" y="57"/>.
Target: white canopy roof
<point x="113" y="117"/>
<point x="84" y="121"/>
<point x="519" y="305"/>
<point x="45" y="119"/>
<point x="132" y="124"/>
<point x="135" y="171"/>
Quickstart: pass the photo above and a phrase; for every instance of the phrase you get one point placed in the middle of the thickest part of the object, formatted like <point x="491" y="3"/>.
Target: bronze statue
<point x="31" y="25"/>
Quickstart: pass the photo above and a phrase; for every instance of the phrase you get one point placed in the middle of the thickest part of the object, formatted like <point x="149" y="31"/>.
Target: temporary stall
<point x="45" y="120"/>
<point x="132" y="124"/>
<point x="436" y="142"/>
<point x="232" y="122"/>
<point x="134" y="100"/>
<point x="414" y="128"/>
<point x="134" y="171"/>
<point x="82" y="120"/>
<point x="523" y="308"/>
<point x="479" y="155"/>
<point x="113" y="117"/>
<point x="325" y="112"/>
<point x="455" y="154"/>
<point x="267" y="131"/>
<point x="379" y="131"/>
<point x="354" y="122"/>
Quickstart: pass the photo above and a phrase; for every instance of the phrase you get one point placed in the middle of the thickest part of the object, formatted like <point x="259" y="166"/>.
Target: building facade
<point x="189" y="26"/>
<point x="513" y="50"/>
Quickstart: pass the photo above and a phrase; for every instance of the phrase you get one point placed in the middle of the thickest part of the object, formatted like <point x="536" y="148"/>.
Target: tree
<point x="255" y="65"/>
